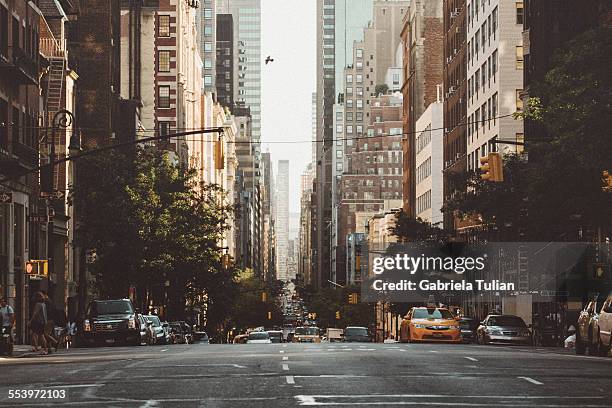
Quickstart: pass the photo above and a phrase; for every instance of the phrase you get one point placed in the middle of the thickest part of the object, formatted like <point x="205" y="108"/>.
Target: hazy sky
<point x="288" y="31"/>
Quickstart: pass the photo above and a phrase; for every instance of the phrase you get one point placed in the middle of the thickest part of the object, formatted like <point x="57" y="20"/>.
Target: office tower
<point x="282" y="219"/>
<point x="206" y="20"/>
<point x="225" y="60"/>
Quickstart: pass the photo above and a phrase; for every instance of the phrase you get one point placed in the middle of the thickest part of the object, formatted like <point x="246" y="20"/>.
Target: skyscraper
<point x="225" y="60"/>
<point x="247" y="56"/>
<point x="206" y="20"/>
<point x="282" y="219"/>
<point x="339" y="24"/>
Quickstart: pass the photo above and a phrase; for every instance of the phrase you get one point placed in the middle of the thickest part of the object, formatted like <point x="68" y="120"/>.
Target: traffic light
<point x="492" y="167"/>
<point x="606" y="177"/>
<point x="264" y="296"/>
<point x="269" y="315"/>
<point x="353" y="298"/>
<point x="337" y="315"/>
<point x="219" y="156"/>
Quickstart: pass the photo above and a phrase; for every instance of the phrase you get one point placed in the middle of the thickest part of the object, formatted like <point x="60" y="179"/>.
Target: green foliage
<point x="249" y="310"/>
<point x="558" y="190"/>
<point x="152" y="229"/>
<point x="327" y="301"/>
<point x="381" y="89"/>
<point x="408" y="229"/>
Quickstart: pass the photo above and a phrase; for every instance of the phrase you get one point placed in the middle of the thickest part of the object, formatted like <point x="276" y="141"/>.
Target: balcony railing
<point x="50" y="47"/>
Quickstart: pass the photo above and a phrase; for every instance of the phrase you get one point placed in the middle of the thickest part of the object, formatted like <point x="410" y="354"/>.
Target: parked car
<point x="276" y="336"/>
<point x="307" y="335"/>
<point x="601" y="338"/>
<point x="110" y="321"/>
<point x="259" y="337"/>
<point x="585" y="330"/>
<point x="356" y="334"/>
<point x="503" y="329"/>
<point x="161" y="337"/>
<point x="468" y="329"/>
<point x="430" y="324"/>
<point x="187" y="331"/>
<point x="200" y="337"/>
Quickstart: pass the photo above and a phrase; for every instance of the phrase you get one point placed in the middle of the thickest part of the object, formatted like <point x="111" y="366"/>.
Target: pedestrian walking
<point x="37" y="324"/>
<point x="50" y="324"/>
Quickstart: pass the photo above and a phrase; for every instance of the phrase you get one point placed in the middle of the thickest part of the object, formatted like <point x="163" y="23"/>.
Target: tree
<point x="557" y="191"/>
<point x="408" y="229"/>
<point x="152" y="229"/>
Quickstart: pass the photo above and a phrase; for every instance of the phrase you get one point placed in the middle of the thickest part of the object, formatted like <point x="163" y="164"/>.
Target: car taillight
<point x="87" y="325"/>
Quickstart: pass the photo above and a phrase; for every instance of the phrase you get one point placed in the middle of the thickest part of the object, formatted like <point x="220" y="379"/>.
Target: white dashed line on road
<point x="290" y="379"/>
<point x="285" y="358"/>
<point x="471" y="358"/>
<point x="433" y="351"/>
<point x="281" y="351"/>
<point x="286" y="367"/>
<point x="164" y="350"/>
<point x="531" y="380"/>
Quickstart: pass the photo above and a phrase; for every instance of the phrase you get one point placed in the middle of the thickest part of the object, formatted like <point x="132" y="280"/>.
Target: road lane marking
<point x="164" y="350"/>
<point x="77" y="385"/>
<point x="471" y="358"/>
<point x="150" y="404"/>
<point x="281" y="351"/>
<point x="290" y="379"/>
<point x="285" y="358"/>
<point x="531" y="380"/>
<point x="286" y="367"/>
<point x="433" y="351"/>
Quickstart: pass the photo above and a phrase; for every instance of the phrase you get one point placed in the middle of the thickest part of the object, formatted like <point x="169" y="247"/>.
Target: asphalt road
<point x="288" y="375"/>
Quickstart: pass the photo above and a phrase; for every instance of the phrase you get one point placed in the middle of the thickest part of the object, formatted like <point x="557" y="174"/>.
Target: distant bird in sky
<point x="269" y="59"/>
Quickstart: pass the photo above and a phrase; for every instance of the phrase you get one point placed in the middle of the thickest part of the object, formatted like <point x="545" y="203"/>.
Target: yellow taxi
<point x="430" y="324"/>
<point x="307" y="335"/>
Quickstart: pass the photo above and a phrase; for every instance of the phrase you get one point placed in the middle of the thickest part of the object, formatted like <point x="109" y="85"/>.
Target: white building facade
<point x="429" y="164"/>
<point x="282" y="220"/>
<point x="495" y="77"/>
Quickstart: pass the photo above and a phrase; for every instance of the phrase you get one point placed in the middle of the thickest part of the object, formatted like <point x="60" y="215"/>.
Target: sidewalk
<point x="24" y="351"/>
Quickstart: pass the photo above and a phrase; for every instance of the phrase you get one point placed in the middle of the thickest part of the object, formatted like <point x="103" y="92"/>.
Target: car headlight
<point x="419" y="326"/>
<point x="86" y="325"/>
<point x="131" y="323"/>
<point x="453" y="327"/>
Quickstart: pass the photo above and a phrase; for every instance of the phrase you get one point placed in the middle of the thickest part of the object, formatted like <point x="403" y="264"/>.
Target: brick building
<point x="423" y="42"/>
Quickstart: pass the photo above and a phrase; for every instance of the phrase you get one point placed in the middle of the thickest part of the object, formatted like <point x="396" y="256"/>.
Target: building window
<point x="163" y="128"/>
<point x="519" y="12"/>
<point x="208" y="46"/>
<point x="359" y="78"/>
<point x="208" y="14"/>
<point x="494" y="21"/>
<point x="339" y="128"/>
<point x="163" y="96"/>
<point x="338" y="154"/>
<point x="349" y="91"/>
<point x="338" y="166"/>
<point x="163" y="29"/>
<point x="519" y="100"/>
<point x="208" y="31"/>
<point x="359" y="130"/>
<point x="349" y="103"/>
<point x="163" y="61"/>
<point x="519" y="57"/>
<point x="349" y="129"/>
<point x="349" y="79"/>
<point x="359" y="103"/>
<point x="359" y="53"/>
<point x="208" y="63"/>
<point x="494" y="102"/>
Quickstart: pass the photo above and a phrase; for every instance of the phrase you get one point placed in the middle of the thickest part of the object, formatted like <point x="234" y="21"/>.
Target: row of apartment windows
<point x="483" y="75"/>
<point x="25" y="37"/>
<point x="358" y="78"/>
<point x="424" y="170"/>
<point x="485" y="114"/>
<point x="23" y="126"/>
<point x="358" y="103"/>
<point x="424" y="202"/>
<point x="482" y="37"/>
<point x="392" y="158"/>
<point x="423" y="139"/>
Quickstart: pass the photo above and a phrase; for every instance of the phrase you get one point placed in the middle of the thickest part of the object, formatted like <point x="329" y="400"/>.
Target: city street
<point x="346" y="374"/>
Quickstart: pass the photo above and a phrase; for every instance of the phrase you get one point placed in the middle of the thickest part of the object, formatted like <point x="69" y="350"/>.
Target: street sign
<point x="38" y="218"/>
<point x="6" y="197"/>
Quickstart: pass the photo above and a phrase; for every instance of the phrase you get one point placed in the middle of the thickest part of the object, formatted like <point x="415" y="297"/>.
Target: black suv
<point x="111" y="321"/>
